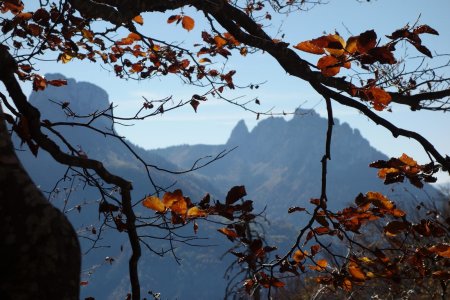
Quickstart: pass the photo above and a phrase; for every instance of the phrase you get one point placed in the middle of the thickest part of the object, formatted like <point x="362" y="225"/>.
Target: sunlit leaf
<point x="321" y="264"/>
<point x="187" y="23"/>
<point x="154" y="203"/>
<point x="220" y="41"/>
<point x="309" y="47"/>
<point x="139" y="19"/>
<point x="195" y="212"/>
<point x="231" y="234"/>
<point x="356" y="272"/>
<point x="299" y="255"/>
<point x="329" y="65"/>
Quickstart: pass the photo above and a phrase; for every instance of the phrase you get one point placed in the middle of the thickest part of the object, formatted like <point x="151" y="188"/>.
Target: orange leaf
<point x="321" y="264"/>
<point x="134" y="36"/>
<point x="169" y="198"/>
<point x="220" y="41"/>
<point x="328" y="65"/>
<point x="379" y="200"/>
<point x="204" y="60"/>
<point x="309" y="47"/>
<point x="299" y="255"/>
<point x="379" y="97"/>
<point x="407" y="160"/>
<point x="356" y="272"/>
<point x="347" y="285"/>
<point x="154" y="203"/>
<point x="187" y="23"/>
<point x="231" y="39"/>
<point x="138" y="19"/>
<point x="231" y="234"/>
<point x="441" y="250"/>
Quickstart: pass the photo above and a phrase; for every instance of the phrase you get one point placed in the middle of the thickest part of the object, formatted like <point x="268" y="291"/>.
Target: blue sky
<point x="215" y="119"/>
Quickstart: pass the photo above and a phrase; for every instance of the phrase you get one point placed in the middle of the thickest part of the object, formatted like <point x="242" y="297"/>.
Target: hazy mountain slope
<point x="279" y="162"/>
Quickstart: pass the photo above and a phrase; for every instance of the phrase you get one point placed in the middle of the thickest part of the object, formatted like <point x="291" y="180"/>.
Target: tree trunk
<point x="40" y="255"/>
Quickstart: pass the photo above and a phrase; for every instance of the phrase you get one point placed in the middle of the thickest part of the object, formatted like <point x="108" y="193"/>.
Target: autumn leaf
<point x="308" y="46"/>
<point x="170" y="198"/>
<point x="379" y="200"/>
<point x="154" y="203"/>
<point x="441" y="250"/>
<point x="299" y="255"/>
<point x="366" y="41"/>
<point x="321" y="264"/>
<point x="139" y="19"/>
<point x="231" y="234"/>
<point x="220" y="41"/>
<point x="173" y="18"/>
<point x="194" y="104"/>
<point x="39" y="83"/>
<point x="57" y="82"/>
<point x="204" y="60"/>
<point x="235" y="193"/>
<point x="425" y="29"/>
<point x="187" y="23"/>
<point x="328" y="65"/>
<point x="395" y="227"/>
<point x="195" y="212"/>
<point x="356" y="272"/>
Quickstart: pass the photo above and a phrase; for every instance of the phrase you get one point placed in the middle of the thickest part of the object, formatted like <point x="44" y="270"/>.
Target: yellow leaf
<point x="65" y="57"/>
<point x="336" y="45"/>
<point x="352" y="45"/>
<point x="154" y="203"/>
<point x="195" y="212"/>
<point x="204" y="60"/>
<point x="187" y="23"/>
<point x="138" y="19"/>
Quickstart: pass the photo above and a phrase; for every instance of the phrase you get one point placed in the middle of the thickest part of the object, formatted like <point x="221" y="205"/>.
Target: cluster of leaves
<point x="60" y="29"/>
<point x="364" y="50"/>
<point x="408" y="250"/>
<point x="183" y="210"/>
<point x="396" y="169"/>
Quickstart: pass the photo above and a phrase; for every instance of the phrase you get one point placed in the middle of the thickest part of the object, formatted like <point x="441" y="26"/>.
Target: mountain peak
<point x="239" y="133"/>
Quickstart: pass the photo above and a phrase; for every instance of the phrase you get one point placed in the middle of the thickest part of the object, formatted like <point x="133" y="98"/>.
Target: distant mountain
<point x="278" y="162"/>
